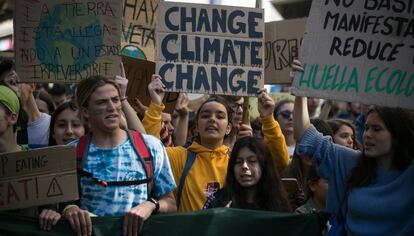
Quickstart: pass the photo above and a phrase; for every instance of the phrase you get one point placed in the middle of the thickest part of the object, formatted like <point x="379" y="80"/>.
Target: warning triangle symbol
<point x="54" y="189"/>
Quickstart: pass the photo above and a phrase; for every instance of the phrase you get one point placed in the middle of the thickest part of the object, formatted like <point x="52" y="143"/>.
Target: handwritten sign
<point x="37" y="177"/>
<point x="359" y="51"/>
<point x="66" y="41"/>
<point x="139" y="73"/>
<point x="210" y="49"/>
<point x="138" y="29"/>
<point x="282" y="44"/>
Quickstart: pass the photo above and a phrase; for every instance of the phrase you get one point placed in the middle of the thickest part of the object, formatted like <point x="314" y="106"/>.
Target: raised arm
<point x="133" y="121"/>
<point x="181" y="131"/>
<point x="301" y="121"/>
<point x="29" y="102"/>
<point x="326" y="109"/>
<point x="273" y="136"/>
<point x="152" y="117"/>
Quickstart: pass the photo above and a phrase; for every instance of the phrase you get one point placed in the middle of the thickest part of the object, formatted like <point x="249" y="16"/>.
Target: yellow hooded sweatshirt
<point x="209" y="170"/>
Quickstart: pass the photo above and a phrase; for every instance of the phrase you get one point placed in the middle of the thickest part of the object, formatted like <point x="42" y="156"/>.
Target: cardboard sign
<point x="359" y="51"/>
<point x="65" y="41"/>
<point x="139" y="73"/>
<point x="210" y="49"/>
<point x="38" y="177"/>
<point x="138" y="29"/>
<point x="282" y="44"/>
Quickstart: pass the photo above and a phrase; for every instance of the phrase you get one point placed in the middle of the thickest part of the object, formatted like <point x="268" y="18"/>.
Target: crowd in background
<point x="303" y="155"/>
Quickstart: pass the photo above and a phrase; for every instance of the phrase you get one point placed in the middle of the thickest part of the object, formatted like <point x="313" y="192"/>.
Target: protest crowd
<point x="348" y="161"/>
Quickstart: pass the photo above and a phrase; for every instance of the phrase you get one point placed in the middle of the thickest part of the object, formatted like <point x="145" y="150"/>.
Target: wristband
<point x="156" y="203"/>
<point x="123" y="98"/>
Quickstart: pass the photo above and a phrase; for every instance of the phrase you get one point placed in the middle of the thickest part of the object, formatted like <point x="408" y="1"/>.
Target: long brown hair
<point x="270" y="194"/>
<point x="400" y="123"/>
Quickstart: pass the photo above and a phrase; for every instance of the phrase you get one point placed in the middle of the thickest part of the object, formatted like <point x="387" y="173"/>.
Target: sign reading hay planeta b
<point x="210" y="48"/>
<point x="359" y="51"/>
<point x="66" y="41"/>
<point x="138" y="29"/>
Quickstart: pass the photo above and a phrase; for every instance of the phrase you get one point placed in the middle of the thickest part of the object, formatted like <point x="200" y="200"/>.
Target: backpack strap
<point x="145" y="158"/>
<point x="140" y="149"/>
<point x="188" y="163"/>
<point x="82" y="150"/>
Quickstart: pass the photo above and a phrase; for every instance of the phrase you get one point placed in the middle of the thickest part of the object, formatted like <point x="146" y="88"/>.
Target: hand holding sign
<point x="182" y="104"/>
<point x="156" y="90"/>
<point x="244" y="130"/>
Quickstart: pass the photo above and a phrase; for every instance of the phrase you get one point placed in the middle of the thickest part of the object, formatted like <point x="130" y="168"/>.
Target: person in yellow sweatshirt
<point x="213" y="123"/>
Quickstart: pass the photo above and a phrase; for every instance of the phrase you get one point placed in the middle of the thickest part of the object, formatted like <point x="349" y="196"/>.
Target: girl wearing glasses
<point x="283" y="114"/>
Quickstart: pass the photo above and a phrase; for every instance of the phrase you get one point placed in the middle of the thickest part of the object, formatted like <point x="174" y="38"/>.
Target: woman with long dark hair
<point x="251" y="181"/>
<point x="370" y="192"/>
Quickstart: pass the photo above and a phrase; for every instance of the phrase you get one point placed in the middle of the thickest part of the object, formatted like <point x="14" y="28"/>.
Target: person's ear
<point x="12" y="119"/>
<point x="228" y="130"/>
<point x="312" y="185"/>
<point x="84" y="113"/>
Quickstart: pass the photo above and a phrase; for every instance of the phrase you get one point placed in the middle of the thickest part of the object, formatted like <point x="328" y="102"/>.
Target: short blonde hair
<point x="88" y="86"/>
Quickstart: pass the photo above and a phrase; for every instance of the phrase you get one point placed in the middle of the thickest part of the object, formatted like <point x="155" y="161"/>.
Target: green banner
<point x="219" y="221"/>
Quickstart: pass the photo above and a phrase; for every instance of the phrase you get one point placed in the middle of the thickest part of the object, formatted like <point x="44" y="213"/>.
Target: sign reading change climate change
<point x="359" y="50"/>
<point x="67" y="40"/>
<point x="210" y="49"/>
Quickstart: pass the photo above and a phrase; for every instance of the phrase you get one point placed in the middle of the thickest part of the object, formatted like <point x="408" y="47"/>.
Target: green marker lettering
<point x="302" y="76"/>
<point x="353" y="78"/>
<point x="334" y="84"/>
<point x="377" y="84"/>
<point x="329" y="76"/>
<point x="396" y="74"/>
<point x="409" y="86"/>
<point x="317" y="86"/>
<point x="369" y="78"/>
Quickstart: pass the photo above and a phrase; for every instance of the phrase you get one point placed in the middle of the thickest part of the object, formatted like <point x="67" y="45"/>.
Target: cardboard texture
<point x="210" y="49"/>
<point x="282" y="44"/>
<point x="138" y="29"/>
<point x="38" y="177"/>
<point x="359" y="51"/>
<point x="139" y="73"/>
<point x="66" y="41"/>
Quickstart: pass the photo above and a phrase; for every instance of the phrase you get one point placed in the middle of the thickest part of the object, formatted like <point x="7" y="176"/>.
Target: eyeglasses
<point x="286" y="114"/>
<point x="236" y="106"/>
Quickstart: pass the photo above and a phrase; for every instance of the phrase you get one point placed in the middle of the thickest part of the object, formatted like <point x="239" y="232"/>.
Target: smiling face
<point x="68" y="127"/>
<point x="377" y="138"/>
<point x="103" y="110"/>
<point x="344" y="136"/>
<point x="212" y="123"/>
<point x="247" y="170"/>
